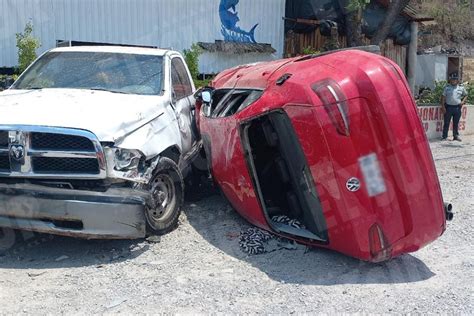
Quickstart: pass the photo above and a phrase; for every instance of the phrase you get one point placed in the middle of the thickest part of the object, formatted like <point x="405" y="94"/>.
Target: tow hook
<point x="448" y="211"/>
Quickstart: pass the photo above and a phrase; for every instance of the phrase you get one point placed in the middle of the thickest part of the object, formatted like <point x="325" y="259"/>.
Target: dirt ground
<point x="199" y="268"/>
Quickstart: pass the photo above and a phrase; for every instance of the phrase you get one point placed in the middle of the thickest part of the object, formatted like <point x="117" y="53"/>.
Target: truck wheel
<point x="167" y="191"/>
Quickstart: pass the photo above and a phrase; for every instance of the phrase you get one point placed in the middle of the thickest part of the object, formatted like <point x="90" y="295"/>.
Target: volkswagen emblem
<point x="17" y="152"/>
<point x="353" y="184"/>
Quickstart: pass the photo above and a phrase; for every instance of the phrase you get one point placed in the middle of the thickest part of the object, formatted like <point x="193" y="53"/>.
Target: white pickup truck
<point x="94" y="143"/>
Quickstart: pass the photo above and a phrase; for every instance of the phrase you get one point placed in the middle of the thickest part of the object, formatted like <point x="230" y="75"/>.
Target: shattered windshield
<point x="114" y="72"/>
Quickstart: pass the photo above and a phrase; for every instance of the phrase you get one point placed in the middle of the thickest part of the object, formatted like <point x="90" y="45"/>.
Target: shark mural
<point x="229" y="19"/>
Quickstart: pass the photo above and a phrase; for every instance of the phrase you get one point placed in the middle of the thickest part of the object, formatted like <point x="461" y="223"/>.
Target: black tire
<point x="167" y="190"/>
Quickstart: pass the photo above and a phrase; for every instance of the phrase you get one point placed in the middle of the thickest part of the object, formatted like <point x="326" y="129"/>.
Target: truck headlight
<point x="126" y="159"/>
<point x="121" y="162"/>
<point x="128" y="164"/>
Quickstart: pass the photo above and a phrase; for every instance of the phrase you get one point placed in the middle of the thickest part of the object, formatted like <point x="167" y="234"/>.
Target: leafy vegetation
<point x="4" y="77"/>
<point x="192" y="59"/>
<point x="202" y="83"/>
<point x="470" y="92"/>
<point x="27" y="45"/>
<point x="357" y="5"/>
<point x="434" y="96"/>
<point x="6" y="81"/>
<point x="310" y="51"/>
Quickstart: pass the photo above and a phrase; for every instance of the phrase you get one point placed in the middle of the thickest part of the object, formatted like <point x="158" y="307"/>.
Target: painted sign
<point x="433" y="120"/>
<point x="229" y="20"/>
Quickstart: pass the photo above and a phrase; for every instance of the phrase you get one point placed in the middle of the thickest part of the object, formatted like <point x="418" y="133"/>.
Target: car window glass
<point x="217" y="97"/>
<point x="217" y="107"/>
<point x="115" y="72"/>
<point x="252" y="97"/>
<point x="180" y="79"/>
<point x="233" y="104"/>
<point x="233" y="101"/>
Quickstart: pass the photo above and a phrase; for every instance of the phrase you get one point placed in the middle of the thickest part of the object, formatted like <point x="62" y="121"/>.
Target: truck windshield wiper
<point x="108" y="90"/>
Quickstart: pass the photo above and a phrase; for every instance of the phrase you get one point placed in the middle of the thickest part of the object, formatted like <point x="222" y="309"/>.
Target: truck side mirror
<point x="206" y="96"/>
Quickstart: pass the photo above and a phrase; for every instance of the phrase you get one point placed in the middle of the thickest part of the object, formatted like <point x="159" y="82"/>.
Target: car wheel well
<point x="172" y="153"/>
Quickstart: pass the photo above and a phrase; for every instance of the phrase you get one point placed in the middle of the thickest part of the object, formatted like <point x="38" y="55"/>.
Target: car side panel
<point x="228" y="166"/>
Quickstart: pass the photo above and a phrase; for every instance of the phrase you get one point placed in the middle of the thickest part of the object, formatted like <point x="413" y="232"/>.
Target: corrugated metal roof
<point x="237" y="48"/>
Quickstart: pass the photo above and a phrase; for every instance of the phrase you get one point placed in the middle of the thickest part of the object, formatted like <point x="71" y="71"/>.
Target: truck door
<point x="182" y="93"/>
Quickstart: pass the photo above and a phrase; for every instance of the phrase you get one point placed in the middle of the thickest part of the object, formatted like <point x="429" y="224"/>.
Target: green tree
<point x="310" y="51"/>
<point x="27" y="45"/>
<point x="192" y="59"/>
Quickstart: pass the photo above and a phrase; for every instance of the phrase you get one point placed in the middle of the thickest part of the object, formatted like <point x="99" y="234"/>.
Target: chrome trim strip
<point x="47" y="129"/>
<point x="26" y="169"/>
<point x="69" y="176"/>
<point x="61" y="154"/>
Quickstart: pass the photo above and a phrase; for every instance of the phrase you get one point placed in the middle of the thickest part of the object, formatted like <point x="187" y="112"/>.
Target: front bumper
<point x="114" y="214"/>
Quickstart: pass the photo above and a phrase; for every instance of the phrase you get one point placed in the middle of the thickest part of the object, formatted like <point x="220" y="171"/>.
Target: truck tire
<point x="167" y="191"/>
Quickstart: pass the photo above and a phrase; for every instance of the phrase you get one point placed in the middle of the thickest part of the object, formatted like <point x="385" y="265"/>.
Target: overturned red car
<point x="332" y="144"/>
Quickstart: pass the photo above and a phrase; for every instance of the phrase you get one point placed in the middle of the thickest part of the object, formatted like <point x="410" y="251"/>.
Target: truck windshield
<point x="114" y="72"/>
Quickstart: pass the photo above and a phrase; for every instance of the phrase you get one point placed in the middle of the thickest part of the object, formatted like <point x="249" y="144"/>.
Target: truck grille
<point x="65" y="165"/>
<point x="3" y="139"/>
<point x="4" y="163"/>
<point x="4" y="160"/>
<point x="55" y="153"/>
<point x="49" y="141"/>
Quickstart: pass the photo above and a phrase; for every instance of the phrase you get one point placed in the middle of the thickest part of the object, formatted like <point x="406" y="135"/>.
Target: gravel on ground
<point x="199" y="267"/>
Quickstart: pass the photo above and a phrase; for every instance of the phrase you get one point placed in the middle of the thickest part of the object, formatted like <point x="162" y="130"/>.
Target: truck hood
<point x="108" y="115"/>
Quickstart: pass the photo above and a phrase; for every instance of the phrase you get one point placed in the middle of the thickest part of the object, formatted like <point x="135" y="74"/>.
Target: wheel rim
<point x="164" y="198"/>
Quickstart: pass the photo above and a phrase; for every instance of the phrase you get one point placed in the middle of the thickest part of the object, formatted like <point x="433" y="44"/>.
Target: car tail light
<point x="335" y="104"/>
<point x="380" y="249"/>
